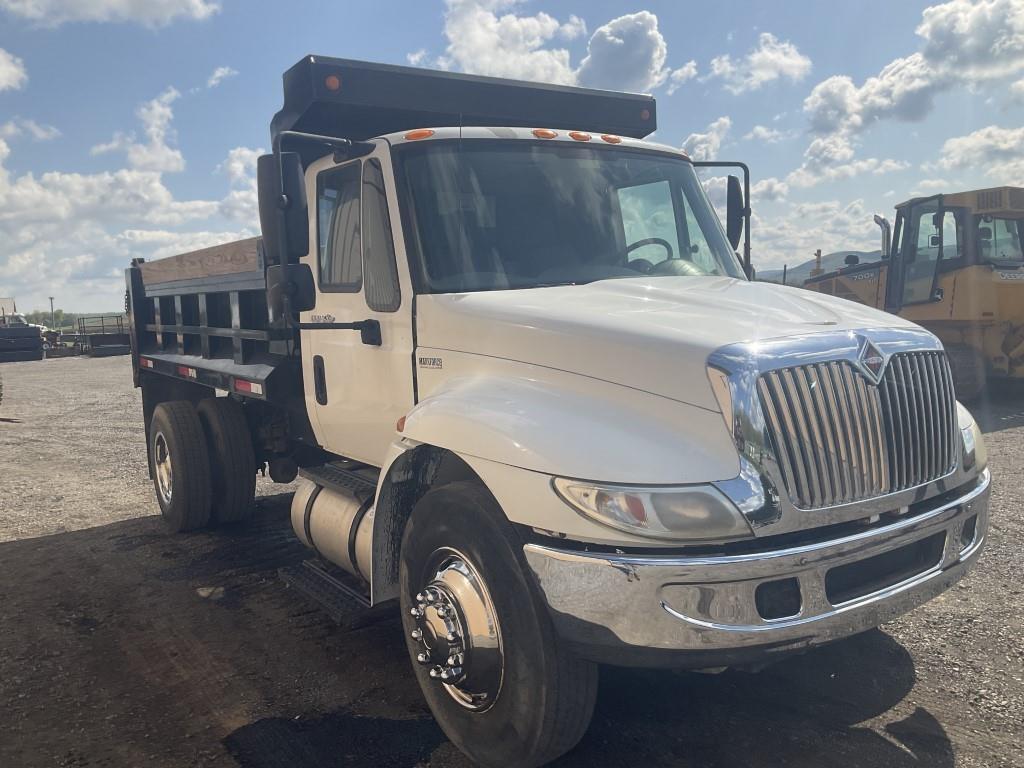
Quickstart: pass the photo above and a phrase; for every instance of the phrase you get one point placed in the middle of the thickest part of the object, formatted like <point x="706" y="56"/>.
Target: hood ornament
<point x="870" y="360"/>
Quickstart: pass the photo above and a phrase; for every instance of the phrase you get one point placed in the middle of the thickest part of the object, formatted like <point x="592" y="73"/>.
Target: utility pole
<point x="53" y="322"/>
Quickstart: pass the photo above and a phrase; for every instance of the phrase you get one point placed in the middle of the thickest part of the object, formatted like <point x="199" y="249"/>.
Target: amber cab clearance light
<point x="611" y="139"/>
<point x="544" y="133"/>
<point x="400" y="425"/>
<point x="421" y="133"/>
<point x="579" y="136"/>
<point x="332" y="83"/>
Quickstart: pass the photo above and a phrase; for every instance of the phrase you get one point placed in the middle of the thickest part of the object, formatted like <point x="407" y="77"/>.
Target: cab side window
<point x="380" y="272"/>
<point x="338" y="229"/>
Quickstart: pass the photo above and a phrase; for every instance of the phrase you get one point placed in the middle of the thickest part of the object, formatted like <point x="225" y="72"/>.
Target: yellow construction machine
<point x="954" y="264"/>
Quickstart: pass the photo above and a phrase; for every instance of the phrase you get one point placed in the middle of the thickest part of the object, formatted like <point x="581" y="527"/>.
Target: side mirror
<point x="735" y="211"/>
<point x="284" y="216"/>
<point x="294" y="281"/>
<point x="934" y="241"/>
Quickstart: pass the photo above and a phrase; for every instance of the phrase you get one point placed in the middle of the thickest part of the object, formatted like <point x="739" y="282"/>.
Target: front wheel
<point x="499" y="681"/>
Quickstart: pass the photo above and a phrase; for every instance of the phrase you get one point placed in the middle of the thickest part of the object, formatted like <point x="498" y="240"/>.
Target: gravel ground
<point x="122" y="645"/>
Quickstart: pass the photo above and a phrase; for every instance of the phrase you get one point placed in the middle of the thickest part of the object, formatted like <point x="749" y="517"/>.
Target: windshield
<point x="496" y="215"/>
<point x="1000" y="239"/>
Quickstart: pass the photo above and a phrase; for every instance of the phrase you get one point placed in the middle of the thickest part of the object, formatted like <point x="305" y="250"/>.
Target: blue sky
<point x="114" y="143"/>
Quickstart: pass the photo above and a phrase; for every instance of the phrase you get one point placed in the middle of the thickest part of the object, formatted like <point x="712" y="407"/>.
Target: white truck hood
<point x="650" y="334"/>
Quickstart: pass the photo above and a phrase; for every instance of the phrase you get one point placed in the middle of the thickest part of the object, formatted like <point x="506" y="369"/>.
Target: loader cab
<point x="929" y="240"/>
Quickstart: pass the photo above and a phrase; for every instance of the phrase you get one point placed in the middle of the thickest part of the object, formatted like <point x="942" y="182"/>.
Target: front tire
<point x="468" y="605"/>
<point x="181" y="466"/>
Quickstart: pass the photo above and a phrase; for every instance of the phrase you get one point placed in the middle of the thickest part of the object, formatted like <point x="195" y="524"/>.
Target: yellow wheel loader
<point x="954" y="264"/>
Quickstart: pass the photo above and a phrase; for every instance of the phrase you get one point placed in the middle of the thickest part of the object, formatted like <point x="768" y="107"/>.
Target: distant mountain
<point x="796" y="275"/>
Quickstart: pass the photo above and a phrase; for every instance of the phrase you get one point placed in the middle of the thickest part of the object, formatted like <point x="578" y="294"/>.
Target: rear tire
<point x="181" y="466"/>
<point x="544" y="696"/>
<point x="232" y="461"/>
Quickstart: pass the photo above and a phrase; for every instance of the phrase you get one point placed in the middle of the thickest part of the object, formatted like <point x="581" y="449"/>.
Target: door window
<point x="381" y="274"/>
<point x="649" y="214"/>
<point x="928" y="234"/>
<point x="338" y="228"/>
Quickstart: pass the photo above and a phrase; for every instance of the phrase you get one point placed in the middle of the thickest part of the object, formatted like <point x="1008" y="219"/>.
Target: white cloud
<point x="417" y="58"/>
<point x="12" y="71"/>
<point x="70" y="234"/>
<point x="999" y="150"/>
<point x="1017" y="91"/>
<point x="793" y="237"/>
<point x="766" y="135"/>
<point x="156" y="154"/>
<point x="681" y="75"/>
<point x="831" y="158"/>
<point x="150" y="13"/>
<point x="963" y="42"/>
<point x="219" y="75"/>
<point x="932" y="186"/>
<point x="487" y="37"/>
<point x="626" y="54"/>
<point x="20" y="126"/>
<point x="770" y="60"/>
<point x="705" y="146"/>
<point x="769" y="190"/>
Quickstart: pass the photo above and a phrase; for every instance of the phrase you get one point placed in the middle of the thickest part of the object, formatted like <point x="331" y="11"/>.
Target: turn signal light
<point x="400" y="425"/>
<point x="544" y="133"/>
<point x="332" y="83"/>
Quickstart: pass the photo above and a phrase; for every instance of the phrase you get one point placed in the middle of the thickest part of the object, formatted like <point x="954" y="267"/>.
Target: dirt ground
<point x="123" y="645"/>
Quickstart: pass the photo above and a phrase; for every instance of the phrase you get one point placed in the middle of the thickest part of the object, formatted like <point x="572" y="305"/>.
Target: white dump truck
<point x="535" y="400"/>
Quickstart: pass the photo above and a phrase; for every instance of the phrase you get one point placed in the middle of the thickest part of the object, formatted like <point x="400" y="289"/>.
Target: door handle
<point x="319" y="380"/>
<point x="369" y="330"/>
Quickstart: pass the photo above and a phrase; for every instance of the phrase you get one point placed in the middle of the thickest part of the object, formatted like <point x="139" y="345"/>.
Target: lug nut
<point x="442" y="611"/>
<point x="423" y="658"/>
<point x="451" y="637"/>
<point x="420" y="598"/>
<point x="435" y="672"/>
<point x="417" y="634"/>
<point x="416" y="613"/>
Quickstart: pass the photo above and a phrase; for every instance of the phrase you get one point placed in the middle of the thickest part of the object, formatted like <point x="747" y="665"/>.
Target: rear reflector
<point x="251" y="387"/>
<point x="184" y="370"/>
<point x="145" y="363"/>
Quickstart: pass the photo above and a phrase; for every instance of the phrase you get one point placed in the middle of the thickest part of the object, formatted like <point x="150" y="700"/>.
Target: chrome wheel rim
<point x="457" y="634"/>
<point x="163" y="468"/>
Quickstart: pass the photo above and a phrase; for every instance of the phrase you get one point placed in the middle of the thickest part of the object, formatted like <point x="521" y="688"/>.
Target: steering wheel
<point x="651" y="241"/>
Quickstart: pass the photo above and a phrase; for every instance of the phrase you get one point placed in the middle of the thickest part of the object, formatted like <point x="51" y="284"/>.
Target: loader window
<point x="341" y="268"/>
<point x="999" y="240"/>
<point x="932" y="237"/>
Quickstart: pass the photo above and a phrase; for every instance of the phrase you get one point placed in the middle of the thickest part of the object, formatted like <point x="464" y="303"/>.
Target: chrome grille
<point x="840" y="439"/>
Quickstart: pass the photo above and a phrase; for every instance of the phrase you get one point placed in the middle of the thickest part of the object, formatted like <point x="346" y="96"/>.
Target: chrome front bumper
<point x="703" y="611"/>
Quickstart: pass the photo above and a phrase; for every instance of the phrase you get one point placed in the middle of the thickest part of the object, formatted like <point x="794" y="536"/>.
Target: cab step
<point x="346" y="604"/>
<point x="360" y="482"/>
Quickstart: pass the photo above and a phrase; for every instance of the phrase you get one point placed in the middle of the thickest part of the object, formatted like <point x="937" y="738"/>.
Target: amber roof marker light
<point x="332" y="83"/>
<point x="611" y="139"/>
<point x="579" y="136"/>
<point x="419" y="133"/>
<point x="544" y="133"/>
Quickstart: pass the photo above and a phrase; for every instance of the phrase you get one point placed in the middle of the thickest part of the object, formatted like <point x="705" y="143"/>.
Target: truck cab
<point x="534" y="399"/>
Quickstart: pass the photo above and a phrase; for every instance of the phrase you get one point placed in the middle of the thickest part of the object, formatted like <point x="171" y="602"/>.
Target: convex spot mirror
<point x="284" y="217"/>
<point x="735" y="210"/>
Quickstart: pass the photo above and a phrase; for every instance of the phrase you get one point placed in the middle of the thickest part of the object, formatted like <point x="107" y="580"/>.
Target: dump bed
<point x="203" y="316"/>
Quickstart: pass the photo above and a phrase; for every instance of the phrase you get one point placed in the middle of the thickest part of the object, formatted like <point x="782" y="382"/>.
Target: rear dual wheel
<point x="499" y="681"/>
<point x="204" y="469"/>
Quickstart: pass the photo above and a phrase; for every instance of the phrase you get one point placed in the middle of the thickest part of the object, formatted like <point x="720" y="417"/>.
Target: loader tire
<point x="232" y="460"/>
<point x="181" y="466"/>
<point x="460" y="552"/>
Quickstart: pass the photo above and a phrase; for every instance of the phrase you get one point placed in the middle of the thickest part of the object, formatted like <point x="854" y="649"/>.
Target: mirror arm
<point x="746" y="201"/>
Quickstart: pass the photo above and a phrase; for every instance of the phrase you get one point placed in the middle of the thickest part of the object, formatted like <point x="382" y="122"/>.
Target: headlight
<point x="975" y="455"/>
<point x="685" y="513"/>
